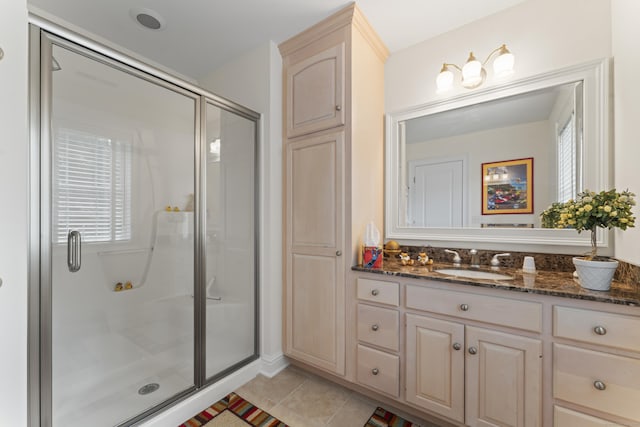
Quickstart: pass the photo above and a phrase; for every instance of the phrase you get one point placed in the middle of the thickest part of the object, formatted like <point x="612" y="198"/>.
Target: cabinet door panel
<point x="435" y="370"/>
<point x="315" y="92"/>
<point x="503" y="379"/>
<point x="314" y="289"/>
<point x="315" y="187"/>
<point x="314" y="294"/>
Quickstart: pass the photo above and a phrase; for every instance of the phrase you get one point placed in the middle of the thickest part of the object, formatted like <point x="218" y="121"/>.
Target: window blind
<point x="91" y="187"/>
<point x="567" y="157"/>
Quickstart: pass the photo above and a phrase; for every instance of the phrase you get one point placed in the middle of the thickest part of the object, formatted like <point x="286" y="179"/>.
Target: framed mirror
<point x="478" y="169"/>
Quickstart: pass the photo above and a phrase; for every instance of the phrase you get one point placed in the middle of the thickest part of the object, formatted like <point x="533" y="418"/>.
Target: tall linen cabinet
<point x="333" y="176"/>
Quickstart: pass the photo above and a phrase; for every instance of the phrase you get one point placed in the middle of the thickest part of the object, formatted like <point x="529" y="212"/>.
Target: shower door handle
<point x="74" y="250"/>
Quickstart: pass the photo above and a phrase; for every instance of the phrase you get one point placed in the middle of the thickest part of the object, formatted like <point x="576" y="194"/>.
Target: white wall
<point x="14" y="149"/>
<point x="543" y="35"/>
<point x="626" y="34"/>
<point x="255" y="80"/>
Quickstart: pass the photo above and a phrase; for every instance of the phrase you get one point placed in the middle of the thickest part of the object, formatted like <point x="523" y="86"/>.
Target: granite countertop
<point x="553" y="283"/>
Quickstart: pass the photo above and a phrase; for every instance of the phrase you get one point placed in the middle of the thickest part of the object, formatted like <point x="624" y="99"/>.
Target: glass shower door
<point x="119" y="228"/>
<point x="230" y="205"/>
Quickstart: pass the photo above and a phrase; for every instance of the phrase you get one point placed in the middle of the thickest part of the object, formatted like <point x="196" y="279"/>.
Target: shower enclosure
<point x="143" y="248"/>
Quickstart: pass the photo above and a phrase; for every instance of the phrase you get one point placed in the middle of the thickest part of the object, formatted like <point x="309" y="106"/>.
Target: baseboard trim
<point x="273" y="364"/>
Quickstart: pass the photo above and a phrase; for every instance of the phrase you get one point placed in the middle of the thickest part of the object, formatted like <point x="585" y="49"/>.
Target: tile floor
<point x="301" y="399"/>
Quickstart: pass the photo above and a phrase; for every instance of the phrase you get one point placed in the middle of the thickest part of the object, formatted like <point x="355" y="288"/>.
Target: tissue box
<point x="371" y="257"/>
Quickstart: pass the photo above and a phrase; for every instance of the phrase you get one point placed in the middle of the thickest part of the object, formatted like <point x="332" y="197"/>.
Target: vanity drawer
<point x="378" y="291"/>
<point x="563" y="417"/>
<point x="379" y="326"/>
<point x="577" y="374"/>
<point x="518" y="314"/>
<point x="597" y="327"/>
<point x="378" y="370"/>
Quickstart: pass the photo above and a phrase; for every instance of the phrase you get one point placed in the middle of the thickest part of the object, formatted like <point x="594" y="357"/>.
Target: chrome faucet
<point x="456" y="257"/>
<point x="475" y="258"/>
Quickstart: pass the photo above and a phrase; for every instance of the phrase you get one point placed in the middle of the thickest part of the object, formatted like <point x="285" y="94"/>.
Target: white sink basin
<point x="473" y="274"/>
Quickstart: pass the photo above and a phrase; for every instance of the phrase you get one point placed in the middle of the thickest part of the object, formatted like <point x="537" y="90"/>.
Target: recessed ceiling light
<point x="148" y="18"/>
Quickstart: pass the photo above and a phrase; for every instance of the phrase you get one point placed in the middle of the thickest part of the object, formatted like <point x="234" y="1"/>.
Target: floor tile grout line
<point x="292" y="391"/>
<point x="338" y="410"/>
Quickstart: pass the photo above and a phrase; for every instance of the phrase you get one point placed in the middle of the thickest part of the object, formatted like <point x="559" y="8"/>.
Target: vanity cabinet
<point x="378" y="336"/>
<point x="333" y="82"/>
<point x="472" y="374"/>
<point x="596" y="362"/>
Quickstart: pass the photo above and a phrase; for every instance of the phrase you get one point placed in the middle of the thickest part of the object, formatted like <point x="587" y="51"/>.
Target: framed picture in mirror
<point x="507" y="187"/>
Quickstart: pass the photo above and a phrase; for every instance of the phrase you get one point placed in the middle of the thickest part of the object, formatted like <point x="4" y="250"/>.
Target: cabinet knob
<point x="375" y="292"/>
<point x="374" y="327"/>
<point x="600" y="330"/>
<point x="473" y="350"/>
<point x="338" y="107"/>
<point x="456" y="346"/>
<point x="599" y="385"/>
<point x="375" y="371"/>
<point x="338" y="253"/>
<point x="464" y="307"/>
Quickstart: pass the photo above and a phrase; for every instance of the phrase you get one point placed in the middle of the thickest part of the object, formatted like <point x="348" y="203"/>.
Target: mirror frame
<point x="597" y="158"/>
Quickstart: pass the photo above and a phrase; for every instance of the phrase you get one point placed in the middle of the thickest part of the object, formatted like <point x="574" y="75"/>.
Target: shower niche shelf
<point x="122" y="266"/>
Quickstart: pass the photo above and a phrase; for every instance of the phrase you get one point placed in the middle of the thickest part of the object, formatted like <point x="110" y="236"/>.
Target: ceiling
<point x="201" y="35"/>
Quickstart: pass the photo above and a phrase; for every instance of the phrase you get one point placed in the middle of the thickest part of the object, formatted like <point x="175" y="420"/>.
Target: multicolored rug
<point x="233" y="406"/>
<point x="383" y="418"/>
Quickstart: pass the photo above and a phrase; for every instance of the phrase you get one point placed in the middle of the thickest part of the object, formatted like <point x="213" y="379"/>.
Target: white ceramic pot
<point x="595" y="275"/>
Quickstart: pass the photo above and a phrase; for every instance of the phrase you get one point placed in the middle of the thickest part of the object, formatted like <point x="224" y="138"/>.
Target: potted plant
<point x="590" y="210"/>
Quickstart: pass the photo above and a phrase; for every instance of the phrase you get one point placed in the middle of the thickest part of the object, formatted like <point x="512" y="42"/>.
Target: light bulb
<point x="214" y="146"/>
<point x="444" y="81"/>
<point x="496" y="177"/>
<point x="503" y="64"/>
<point x="472" y="73"/>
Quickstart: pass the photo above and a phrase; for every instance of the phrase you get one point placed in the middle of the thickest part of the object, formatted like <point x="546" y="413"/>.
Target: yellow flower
<point x="624" y="220"/>
<point x="572" y="222"/>
<point x="588" y="208"/>
<point x="614" y="213"/>
<point x="607" y="208"/>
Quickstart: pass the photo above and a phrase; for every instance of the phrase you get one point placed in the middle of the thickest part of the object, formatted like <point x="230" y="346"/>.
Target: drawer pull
<point x="464" y="307"/>
<point x="375" y="292"/>
<point x="375" y="371"/>
<point x="600" y="330"/>
<point x="456" y="346"/>
<point x="599" y="385"/>
<point x="473" y="350"/>
<point x="375" y="327"/>
<point x="338" y="107"/>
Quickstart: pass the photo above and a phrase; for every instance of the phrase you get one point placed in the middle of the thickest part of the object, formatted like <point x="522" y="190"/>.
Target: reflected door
<point x="436" y="193"/>
<point x="118" y="177"/>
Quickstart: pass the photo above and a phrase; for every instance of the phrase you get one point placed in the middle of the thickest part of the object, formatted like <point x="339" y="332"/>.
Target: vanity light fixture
<point x="473" y="72"/>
